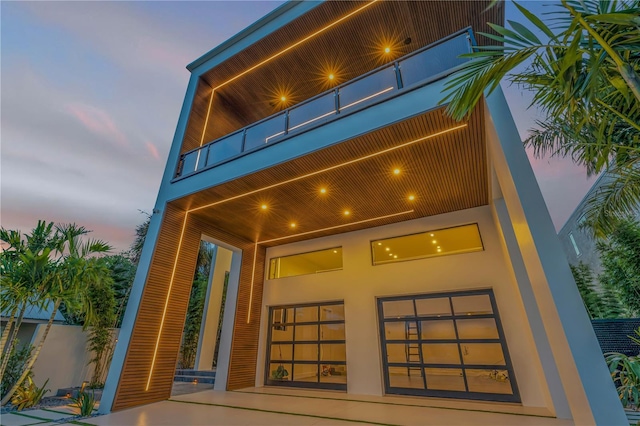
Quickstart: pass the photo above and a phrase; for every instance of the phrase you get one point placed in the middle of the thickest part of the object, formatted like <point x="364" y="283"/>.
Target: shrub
<point x="15" y="364"/>
<point x="28" y="394"/>
<point x="85" y="402"/>
<point x="625" y="371"/>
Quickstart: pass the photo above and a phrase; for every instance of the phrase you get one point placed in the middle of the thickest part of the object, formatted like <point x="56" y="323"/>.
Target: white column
<point x="220" y="265"/>
<point x="585" y="378"/>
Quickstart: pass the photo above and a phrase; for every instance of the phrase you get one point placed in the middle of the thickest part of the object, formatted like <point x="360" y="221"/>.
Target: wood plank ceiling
<point x="444" y="173"/>
<point x="348" y="49"/>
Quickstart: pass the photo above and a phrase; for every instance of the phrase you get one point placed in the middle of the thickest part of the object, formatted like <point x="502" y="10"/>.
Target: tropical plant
<point x="85" y="402"/>
<point x="620" y="258"/>
<point x="17" y="358"/>
<point x="65" y="279"/>
<point x="26" y="271"/>
<point x="603" y="304"/>
<point x="193" y="322"/>
<point x="28" y="394"/>
<point x="625" y="371"/>
<point x="584" y="75"/>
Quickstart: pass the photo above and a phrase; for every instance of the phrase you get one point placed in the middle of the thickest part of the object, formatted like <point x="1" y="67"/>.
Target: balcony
<point x="416" y="69"/>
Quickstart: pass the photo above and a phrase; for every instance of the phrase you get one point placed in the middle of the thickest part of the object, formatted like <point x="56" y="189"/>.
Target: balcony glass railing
<point x="419" y="67"/>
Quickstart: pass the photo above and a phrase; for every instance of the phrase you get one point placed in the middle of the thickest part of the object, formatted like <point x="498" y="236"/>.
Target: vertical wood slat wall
<point x="137" y="364"/>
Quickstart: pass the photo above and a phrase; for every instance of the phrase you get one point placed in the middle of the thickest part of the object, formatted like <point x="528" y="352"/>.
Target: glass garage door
<point x="306" y="346"/>
<point x="445" y="345"/>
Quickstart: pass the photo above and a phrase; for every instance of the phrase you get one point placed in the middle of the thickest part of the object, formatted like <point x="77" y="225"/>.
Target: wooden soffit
<point x="347" y="50"/>
<point x="442" y="163"/>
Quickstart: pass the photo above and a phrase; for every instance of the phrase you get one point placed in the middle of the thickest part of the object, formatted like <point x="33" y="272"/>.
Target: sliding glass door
<point x="447" y="345"/>
<point x="306" y="346"/>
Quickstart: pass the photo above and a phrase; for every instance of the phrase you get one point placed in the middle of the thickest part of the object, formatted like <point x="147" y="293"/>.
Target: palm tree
<point x="26" y="270"/>
<point x="67" y="281"/>
<point x="584" y="72"/>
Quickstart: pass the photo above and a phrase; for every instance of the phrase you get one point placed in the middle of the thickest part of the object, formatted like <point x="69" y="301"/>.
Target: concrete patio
<point x="273" y="406"/>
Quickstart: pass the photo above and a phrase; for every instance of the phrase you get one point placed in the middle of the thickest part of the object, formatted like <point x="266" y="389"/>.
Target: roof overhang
<point x="440" y="162"/>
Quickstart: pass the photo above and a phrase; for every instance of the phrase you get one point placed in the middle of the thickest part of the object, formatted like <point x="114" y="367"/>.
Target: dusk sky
<point x="91" y="93"/>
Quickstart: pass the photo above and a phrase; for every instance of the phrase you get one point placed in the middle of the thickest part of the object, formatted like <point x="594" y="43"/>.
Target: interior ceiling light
<point x="387" y="249"/>
<point x="347" y="212"/>
<point x="387" y="49"/>
<point x="434" y="241"/>
<point x="412" y="197"/>
<point x="335" y="251"/>
<point x="323" y="190"/>
<point x="299" y="42"/>
<point x="395" y="256"/>
<point x="390" y="254"/>
<point x="379" y="244"/>
<point x="337" y="166"/>
<point x="263" y="207"/>
<point x="396" y="171"/>
<point x="283" y="98"/>
<point x="331" y="76"/>
<point x="433" y="235"/>
<point x="293" y="225"/>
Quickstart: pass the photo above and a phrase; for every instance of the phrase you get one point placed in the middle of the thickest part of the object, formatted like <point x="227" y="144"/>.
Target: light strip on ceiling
<point x="337" y="166"/>
<point x="334" y="227"/>
<point x="166" y="302"/>
<point x="253" y="274"/>
<point x="299" y="42"/>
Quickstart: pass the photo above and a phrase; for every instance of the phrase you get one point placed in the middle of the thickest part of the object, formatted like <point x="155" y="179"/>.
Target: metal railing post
<point x="286" y="122"/>
<point x="336" y="98"/>
<point x="398" y="75"/>
<point x="244" y="139"/>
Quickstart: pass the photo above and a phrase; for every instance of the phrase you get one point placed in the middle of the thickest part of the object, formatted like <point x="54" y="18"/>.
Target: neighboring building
<point x="374" y="245"/>
<point x="33" y="316"/>
<point x="578" y="243"/>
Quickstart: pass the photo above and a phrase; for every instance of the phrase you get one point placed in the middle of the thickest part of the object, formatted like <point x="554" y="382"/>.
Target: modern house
<point x="374" y="245"/>
<point x="578" y="243"/>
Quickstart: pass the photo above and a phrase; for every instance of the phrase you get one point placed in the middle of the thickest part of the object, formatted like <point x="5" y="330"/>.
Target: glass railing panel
<point x="316" y="111"/>
<point x="264" y="132"/>
<point x="202" y="157"/>
<point x="368" y="89"/>
<point x="189" y="163"/>
<point x="435" y="60"/>
<point x="225" y="148"/>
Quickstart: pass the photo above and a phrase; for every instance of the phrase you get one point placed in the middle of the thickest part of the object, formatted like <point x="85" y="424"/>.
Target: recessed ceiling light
<point x="396" y="171"/>
<point x="432" y="235"/>
<point x="283" y="98"/>
<point x="293" y="225"/>
<point x="335" y="251"/>
<point x="390" y="254"/>
<point x="323" y="190"/>
<point x="412" y="197"/>
<point x="395" y="256"/>
<point x="387" y="49"/>
<point x="263" y="207"/>
<point x="439" y="250"/>
<point x="379" y="244"/>
<point x="347" y="212"/>
<point x="438" y="247"/>
<point x="387" y="249"/>
<point x="434" y="241"/>
<point x="331" y="76"/>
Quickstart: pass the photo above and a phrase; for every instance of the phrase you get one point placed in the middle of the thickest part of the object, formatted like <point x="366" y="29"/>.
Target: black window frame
<point x="496" y="397"/>
<point x="291" y="322"/>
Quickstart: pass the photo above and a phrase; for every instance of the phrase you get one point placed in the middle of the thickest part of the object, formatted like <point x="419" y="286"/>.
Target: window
<point x="306" y="263"/>
<point x="573" y="243"/>
<point x="461" y="239"/>
<point x="306" y="346"/>
<point x="448" y="345"/>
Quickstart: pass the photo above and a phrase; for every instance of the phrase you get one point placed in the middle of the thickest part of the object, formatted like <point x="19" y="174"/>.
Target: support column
<point x="220" y="266"/>
<point x="587" y="384"/>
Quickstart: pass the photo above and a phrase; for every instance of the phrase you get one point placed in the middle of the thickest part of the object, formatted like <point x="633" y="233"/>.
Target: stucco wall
<point x="64" y="358"/>
<point x="359" y="283"/>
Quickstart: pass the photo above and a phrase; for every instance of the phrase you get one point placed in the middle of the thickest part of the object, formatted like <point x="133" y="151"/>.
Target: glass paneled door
<point x="306" y="346"/>
<point x="446" y="345"/>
